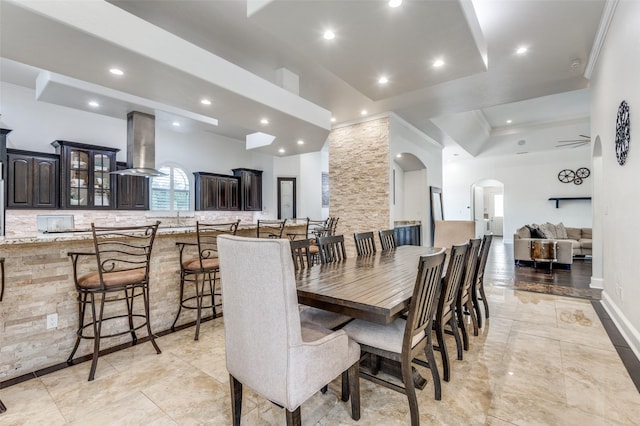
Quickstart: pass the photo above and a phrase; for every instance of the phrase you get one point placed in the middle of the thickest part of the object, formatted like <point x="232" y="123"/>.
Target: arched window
<point x="170" y="192"/>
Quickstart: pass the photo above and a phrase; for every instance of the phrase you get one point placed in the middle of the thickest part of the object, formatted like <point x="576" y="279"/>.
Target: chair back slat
<point x="455" y="272"/>
<point x="423" y="301"/>
<point x="387" y="239"/>
<point x="207" y="236"/>
<point x="123" y="248"/>
<point x="484" y="254"/>
<point x="365" y="243"/>
<point x="300" y="253"/>
<point x="331" y="249"/>
<point x="270" y="228"/>
<point x="332" y="225"/>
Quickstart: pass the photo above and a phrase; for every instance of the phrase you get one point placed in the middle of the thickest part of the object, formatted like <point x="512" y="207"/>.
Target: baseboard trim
<point x="629" y="333"/>
<point x="597" y="283"/>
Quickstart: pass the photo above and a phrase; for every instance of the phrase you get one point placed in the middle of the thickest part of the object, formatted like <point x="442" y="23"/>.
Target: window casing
<point x="170" y="192"/>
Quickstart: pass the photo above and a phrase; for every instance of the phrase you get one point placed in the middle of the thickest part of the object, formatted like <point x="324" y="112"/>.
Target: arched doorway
<point x="487" y="208"/>
<point x="410" y="192"/>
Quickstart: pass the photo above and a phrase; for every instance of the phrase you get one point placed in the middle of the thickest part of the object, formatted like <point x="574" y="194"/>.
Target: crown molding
<point x="601" y="35"/>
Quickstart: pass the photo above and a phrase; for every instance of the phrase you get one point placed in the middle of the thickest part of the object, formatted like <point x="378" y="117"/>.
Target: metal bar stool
<point x="123" y="255"/>
<point x="204" y="265"/>
<point x="2" y="406"/>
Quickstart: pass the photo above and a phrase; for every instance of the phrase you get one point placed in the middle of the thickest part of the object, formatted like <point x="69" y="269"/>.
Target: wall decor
<point x="623" y="134"/>
<point x="577" y="177"/>
<point x="325" y="189"/>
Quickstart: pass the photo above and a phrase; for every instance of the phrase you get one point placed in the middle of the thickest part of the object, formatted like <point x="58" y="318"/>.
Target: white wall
<point x="615" y="78"/>
<point x="405" y="138"/>
<point x="529" y="181"/>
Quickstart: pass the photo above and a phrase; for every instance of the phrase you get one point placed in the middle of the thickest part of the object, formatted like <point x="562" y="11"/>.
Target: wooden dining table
<point x="376" y="288"/>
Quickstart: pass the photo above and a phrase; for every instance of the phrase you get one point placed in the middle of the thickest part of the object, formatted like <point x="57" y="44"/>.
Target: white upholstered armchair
<point x="267" y="348"/>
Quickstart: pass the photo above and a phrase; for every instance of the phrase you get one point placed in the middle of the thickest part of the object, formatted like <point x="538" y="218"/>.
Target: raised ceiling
<point x="175" y="52"/>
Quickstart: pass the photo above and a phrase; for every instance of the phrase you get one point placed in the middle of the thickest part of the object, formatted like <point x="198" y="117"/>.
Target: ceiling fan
<point x="574" y="143"/>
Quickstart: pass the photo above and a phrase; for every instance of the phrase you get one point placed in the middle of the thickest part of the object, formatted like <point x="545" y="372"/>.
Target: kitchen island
<point x="39" y="283"/>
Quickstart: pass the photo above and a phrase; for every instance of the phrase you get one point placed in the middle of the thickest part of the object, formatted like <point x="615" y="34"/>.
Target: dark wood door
<point x="20" y="181"/>
<point x="32" y="180"/>
<point x="45" y="179"/>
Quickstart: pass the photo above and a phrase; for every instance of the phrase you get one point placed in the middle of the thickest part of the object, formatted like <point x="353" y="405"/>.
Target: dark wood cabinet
<point x="216" y="192"/>
<point x="250" y="188"/>
<point x="86" y="181"/>
<point x="32" y="179"/>
<point x="132" y="192"/>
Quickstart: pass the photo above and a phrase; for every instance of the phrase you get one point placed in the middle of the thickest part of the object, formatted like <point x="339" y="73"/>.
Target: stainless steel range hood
<point x="141" y="145"/>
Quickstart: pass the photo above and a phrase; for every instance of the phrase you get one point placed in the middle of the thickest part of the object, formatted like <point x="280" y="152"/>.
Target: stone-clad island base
<point x="39" y="281"/>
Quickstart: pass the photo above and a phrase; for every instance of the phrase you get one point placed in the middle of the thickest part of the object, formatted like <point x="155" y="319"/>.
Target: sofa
<point x="571" y="242"/>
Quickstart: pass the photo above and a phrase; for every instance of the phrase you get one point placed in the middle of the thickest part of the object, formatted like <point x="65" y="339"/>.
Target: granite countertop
<point x="398" y="223"/>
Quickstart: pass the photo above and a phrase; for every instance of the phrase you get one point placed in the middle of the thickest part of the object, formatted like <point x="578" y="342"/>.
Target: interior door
<point x="286" y="198"/>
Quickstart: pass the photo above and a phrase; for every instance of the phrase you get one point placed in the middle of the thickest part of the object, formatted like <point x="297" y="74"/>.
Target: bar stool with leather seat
<point x="270" y="228"/>
<point x="202" y="269"/>
<point x="2" y="406"/>
<point x="123" y="256"/>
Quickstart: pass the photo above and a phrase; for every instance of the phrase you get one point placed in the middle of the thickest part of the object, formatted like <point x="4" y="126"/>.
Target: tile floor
<point x="541" y="359"/>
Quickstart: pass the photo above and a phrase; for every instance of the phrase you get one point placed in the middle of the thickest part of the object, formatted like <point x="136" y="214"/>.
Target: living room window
<point x="170" y="192"/>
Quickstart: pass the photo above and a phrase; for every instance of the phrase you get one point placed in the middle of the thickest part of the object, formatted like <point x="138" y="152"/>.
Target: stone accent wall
<point x="359" y="178"/>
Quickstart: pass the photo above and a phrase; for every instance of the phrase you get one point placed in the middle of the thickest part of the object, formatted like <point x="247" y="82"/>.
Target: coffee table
<point x="544" y="251"/>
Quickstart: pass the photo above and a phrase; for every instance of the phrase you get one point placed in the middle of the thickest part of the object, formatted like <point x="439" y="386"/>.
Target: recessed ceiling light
<point x="176" y="124"/>
<point x="394" y="3"/>
<point x="383" y="79"/>
<point x="509" y="121"/>
<point x="116" y="71"/>
<point x="94" y="104"/>
<point x="363" y="112"/>
<point x="522" y="142"/>
<point x="205" y="102"/>
<point x="329" y="35"/>
<point x="455" y="154"/>
<point x="398" y="155"/>
<point x="264" y="121"/>
<point x="281" y="151"/>
<point x="300" y="142"/>
<point x="333" y="119"/>
<point x="522" y="50"/>
<point x="438" y="63"/>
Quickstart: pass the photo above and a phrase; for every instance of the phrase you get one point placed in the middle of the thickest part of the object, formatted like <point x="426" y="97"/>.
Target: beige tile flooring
<point x="540" y="360"/>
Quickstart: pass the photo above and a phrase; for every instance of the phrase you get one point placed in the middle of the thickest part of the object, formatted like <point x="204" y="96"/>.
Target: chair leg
<point x="435" y="374"/>
<point x="212" y="286"/>
<point x="82" y="304"/>
<point x="476" y="305"/>
<point x="324" y="389"/>
<point x="345" y="387"/>
<point x="97" y="329"/>
<point x="2" y="407"/>
<point x="353" y="375"/>
<point x="454" y="329"/>
<point x="463" y="328"/>
<point x="442" y="346"/>
<point x="129" y="300"/>
<point x="374" y="361"/>
<point x="410" y="390"/>
<point x="484" y="299"/>
<point x="236" y="400"/>
<point x="145" y="295"/>
<point x="293" y="417"/>
<point x="173" y="326"/>
<point x="474" y="319"/>
<point x="198" y="303"/>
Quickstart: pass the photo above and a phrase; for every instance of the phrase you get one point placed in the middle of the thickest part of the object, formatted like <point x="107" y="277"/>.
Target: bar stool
<point x="204" y="265"/>
<point x="123" y="255"/>
<point x="2" y="406"/>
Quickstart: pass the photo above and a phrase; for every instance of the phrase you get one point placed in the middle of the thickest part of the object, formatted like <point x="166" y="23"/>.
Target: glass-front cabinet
<point x="86" y="182"/>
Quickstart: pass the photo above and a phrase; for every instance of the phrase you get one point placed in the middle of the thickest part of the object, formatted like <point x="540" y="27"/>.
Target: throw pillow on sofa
<point x="561" y="231"/>
<point x="548" y="230"/>
<point x="535" y="231"/>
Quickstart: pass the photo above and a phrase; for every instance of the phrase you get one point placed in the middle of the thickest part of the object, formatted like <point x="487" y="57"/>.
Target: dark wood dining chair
<point x="270" y="228"/>
<point x="403" y="340"/>
<point x="123" y="256"/>
<point x="479" y="282"/>
<point x="464" y="304"/>
<point x="308" y="314"/>
<point x="3" y="408"/>
<point x="387" y="239"/>
<point x="202" y="269"/>
<point x="365" y="243"/>
<point x="446" y="311"/>
<point x="331" y="249"/>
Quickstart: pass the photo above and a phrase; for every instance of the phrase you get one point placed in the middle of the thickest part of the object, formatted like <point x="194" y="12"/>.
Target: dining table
<point x="376" y="287"/>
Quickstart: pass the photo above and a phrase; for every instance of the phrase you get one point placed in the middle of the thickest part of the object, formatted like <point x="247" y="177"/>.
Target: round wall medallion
<point x="583" y="172"/>
<point x="623" y="135"/>
<point x="566" y="175"/>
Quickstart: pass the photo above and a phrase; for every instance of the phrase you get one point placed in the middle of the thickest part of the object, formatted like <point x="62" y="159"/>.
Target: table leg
<point x="2" y="407"/>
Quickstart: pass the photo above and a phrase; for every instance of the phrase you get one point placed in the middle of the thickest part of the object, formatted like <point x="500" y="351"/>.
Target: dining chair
<point x="3" y="408"/>
<point x="122" y="255"/>
<point x="331" y="249"/>
<point x="478" y="285"/>
<point x="267" y="347"/>
<point x="446" y="310"/>
<point x="201" y="269"/>
<point x="387" y="239"/>
<point x="316" y="228"/>
<point x="270" y="228"/>
<point x="332" y="225"/>
<point x="302" y="260"/>
<point x="464" y="304"/>
<point x="365" y="243"/>
<point x="403" y="340"/>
